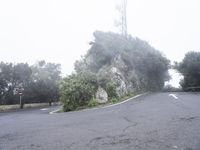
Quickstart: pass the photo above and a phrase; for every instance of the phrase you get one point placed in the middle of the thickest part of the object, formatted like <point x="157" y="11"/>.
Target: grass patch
<point x="115" y="100"/>
<point x="8" y="107"/>
<point x="26" y="106"/>
<point x="93" y="103"/>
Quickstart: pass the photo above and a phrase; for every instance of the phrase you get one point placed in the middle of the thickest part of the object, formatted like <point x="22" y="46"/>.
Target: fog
<point x="59" y="31"/>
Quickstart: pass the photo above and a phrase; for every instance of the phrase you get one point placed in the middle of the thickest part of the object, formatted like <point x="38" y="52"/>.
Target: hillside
<point x="129" y="62"/>
<point x="112" y="68"/>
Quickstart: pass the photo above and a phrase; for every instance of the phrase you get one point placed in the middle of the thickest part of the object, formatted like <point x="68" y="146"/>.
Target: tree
<point x="38" y="83"/>
<point x="44" y="83"/>
<point x="190" y="69"/>
<point x="5" y="81"/>
<point x="21" y="79"/>
<point x="12" y="78"/>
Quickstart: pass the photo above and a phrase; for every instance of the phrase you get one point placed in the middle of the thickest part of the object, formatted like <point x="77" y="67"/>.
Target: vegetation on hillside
<point x="141" y="59"/>
<point x="115" y="62"/>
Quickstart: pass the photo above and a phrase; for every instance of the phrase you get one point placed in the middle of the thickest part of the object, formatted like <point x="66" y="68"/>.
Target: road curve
<point x="157" y="121"/>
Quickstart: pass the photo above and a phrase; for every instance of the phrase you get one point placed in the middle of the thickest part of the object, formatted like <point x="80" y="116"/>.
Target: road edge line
<point x="134" y="97"/>
<point x="53" y="112"/>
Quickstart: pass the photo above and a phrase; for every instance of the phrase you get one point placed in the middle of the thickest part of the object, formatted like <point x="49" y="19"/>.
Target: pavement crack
<point x="71" y="145"/>
<point x="9" y="137"/>
<point x="126" y="128"/>
<point x="92" y="130"/>
<point x="189" y="118"/>
<point x="109" y="141"/>
<point x="127" y="119"/>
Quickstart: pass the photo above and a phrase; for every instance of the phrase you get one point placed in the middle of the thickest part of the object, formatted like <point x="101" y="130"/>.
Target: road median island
<point x="104" y="105"/>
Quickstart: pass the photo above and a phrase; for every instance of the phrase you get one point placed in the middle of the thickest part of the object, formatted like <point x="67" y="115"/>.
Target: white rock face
<point x="121" y="89"/>
<point x="101" y="95"/>
<point x="119" y="63"/>
<point x="117" y="75"/>
<point x="127" y="81"/>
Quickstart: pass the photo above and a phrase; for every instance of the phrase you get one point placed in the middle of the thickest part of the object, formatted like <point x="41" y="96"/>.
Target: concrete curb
<point x="112" y="105"/>
<point x="134" y="97"/>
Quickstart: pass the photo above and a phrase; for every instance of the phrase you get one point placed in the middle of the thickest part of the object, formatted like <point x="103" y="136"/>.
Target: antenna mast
<point x="124" y="18"/>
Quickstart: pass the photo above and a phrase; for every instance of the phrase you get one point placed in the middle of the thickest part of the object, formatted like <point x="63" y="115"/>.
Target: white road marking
<point x="175" y="147"/>
<point x="53" y="112"/>
<point x="174" y="96"/>
<point x="43" y="109"/>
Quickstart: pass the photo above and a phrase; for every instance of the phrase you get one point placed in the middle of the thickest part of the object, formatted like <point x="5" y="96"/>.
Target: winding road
<point x="156" y="121"/>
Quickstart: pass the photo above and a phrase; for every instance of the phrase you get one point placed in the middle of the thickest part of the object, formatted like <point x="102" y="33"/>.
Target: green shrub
<point x="76" y="90"/>
<point x="111" y="89"/>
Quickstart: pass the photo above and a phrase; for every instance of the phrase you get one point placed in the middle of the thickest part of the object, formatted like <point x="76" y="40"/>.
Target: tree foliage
<point x="190" y="69"/>
<point x="38" y="82"/>
<point x="44" y="84"/>
<point x="147" y="63"/>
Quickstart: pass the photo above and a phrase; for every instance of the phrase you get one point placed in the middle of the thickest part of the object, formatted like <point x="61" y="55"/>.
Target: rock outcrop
<point x="132" y="64"/>
<point x="101" y="95"/>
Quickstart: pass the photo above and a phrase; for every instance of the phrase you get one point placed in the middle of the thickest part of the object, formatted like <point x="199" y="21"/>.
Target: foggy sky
<point x="59" y="30"/>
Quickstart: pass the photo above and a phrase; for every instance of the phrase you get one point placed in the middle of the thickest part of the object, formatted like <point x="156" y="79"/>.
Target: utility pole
<point x="124" y="31"/>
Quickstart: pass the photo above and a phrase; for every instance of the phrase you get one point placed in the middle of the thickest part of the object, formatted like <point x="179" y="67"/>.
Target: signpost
<point x="19" y="91"/>
<point x="20" y="100"/>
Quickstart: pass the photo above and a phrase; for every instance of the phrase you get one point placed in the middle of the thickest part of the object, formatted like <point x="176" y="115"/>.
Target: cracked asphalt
<point x="156" y="121"/>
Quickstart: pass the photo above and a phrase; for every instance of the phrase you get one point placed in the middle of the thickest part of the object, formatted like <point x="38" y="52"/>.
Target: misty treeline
<point x="38" y="83"/>
<point x="120" y="65"/>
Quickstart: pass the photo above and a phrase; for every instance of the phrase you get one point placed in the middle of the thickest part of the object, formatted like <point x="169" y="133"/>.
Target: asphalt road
<point x="159" y="121"/>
